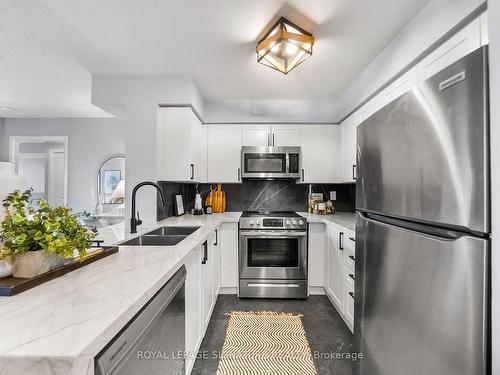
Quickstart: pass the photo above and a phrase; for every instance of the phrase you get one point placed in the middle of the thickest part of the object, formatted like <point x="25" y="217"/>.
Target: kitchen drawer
<point x="349" y="259"/>
<point x="349" y="275"/>
<point x="258" y="288"/>
<point x="349" y="243"/>
<point x="349" y="303"/>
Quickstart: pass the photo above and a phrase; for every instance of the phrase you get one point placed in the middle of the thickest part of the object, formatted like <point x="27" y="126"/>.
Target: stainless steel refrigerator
<point x="423" y="228"/>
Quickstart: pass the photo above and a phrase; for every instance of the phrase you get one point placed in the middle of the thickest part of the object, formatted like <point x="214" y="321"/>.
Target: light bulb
<point x="275" y="48"/>
<point x="291" y="48"/>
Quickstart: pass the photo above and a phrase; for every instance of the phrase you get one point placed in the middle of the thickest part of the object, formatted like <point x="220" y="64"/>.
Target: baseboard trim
<point x="316" y="291"/>
<point x="228" y="290"/>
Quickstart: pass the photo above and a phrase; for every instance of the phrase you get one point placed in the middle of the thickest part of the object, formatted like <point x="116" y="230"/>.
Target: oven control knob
<point x="257" y="223"/>
<point x="301" y="222"/>
<point x="251" y="222"/>
<point x="287" y="222"/>
<point x="294" y="222"/>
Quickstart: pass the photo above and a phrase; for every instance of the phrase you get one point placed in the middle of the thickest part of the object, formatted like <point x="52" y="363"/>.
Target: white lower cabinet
<point x="215" y="245"/>
<point x="207" y="292"/>
<point x="335" y="285"/>
<point x="316" y="255"/>
<point x="201" y="290"/>
<point x="229" y="258"/>
<point x="338" y="271"/>
<point x="193" y="306"/>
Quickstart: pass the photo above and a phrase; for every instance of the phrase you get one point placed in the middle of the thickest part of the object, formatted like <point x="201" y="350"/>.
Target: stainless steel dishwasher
<point x="153" y="342"/>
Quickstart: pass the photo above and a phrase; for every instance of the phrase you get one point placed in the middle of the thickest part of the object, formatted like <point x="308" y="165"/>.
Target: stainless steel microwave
<point x="270" y="162"/>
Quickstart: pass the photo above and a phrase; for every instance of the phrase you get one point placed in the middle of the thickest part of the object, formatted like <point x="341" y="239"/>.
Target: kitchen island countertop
<point x="60" y="326"/>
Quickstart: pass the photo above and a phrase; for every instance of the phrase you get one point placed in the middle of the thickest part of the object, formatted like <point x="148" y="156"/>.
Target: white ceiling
<point x="49" y="49"/>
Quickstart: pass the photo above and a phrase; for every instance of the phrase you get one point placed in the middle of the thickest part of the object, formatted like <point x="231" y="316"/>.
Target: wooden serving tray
<point x="10" y="286"/>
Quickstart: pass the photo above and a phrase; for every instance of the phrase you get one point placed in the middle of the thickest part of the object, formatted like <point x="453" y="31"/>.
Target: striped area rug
<point x="265" y="343"/>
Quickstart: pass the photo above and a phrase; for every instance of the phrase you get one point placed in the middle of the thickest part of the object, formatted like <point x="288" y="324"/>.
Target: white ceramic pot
<point x="5" y="267"/>
<point x="34" y="263"/>
<point x="9" y="181"/>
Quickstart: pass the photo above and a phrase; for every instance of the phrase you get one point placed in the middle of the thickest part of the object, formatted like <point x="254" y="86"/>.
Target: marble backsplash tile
<point x="259" y="195"/>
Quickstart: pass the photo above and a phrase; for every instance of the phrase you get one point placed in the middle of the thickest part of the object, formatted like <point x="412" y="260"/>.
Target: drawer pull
<point x="266" y="285"/>
<point x="350" y="256"/>
<point x="352" y="239"/>
<point x="351" y="294"/>
<point x="351" y="276"/>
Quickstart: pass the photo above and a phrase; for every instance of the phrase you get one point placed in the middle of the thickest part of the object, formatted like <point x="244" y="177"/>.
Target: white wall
<point x="430" y="24"/>
<point x="135" y="100"/>
<point x="89" y="142"/>
<point x="2" y="126"/>
<point x="307" y="111"/>
<point x="494" y="35"/>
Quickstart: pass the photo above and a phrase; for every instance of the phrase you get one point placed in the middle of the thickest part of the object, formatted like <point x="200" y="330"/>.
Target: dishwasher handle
<point x="116" y="351"/>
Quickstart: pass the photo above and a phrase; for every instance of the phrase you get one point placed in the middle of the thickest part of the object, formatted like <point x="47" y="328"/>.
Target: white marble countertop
<point x="59" y="327"/>
<point x="344" y="219"/>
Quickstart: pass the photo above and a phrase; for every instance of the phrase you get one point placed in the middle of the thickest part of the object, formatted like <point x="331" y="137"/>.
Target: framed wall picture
<point x="111" y="179"/>
<point x="179" y="205"/>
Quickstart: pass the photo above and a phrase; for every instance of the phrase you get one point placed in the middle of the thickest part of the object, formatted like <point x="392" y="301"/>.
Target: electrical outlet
<point x="333" y="195"/>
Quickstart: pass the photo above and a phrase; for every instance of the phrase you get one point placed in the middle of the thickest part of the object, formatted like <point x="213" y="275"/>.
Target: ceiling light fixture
<point x="284" y="46"/>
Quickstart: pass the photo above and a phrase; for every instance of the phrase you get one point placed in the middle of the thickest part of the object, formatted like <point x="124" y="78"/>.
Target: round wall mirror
<point x="111" y="180"/>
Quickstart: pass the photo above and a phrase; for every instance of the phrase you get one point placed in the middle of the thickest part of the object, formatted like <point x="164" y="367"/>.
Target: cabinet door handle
<point x="341" y="242"/>
<point x="192" y="171"/>
<point x="350" y="256"/>
<point x="205" y="253"/>
<point x="273" y="139"/>
<point x="303" y="175"/>
<point x="352" y="239"/>
<point x="351" y="294"/>
<point x="216" y="238"/>
<point x="239" y="174"/>
<point x="351" y="276"/>
<point x="354" y="172"/>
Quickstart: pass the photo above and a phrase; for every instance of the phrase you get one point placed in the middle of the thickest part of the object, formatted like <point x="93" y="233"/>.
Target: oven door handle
<point x="262" y="234"/>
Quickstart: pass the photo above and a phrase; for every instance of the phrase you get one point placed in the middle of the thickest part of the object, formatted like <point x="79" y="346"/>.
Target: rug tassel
<point x="264" y="313"/>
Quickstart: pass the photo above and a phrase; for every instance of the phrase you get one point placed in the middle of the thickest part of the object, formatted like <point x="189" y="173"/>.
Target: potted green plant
<point x="40" y="239"/>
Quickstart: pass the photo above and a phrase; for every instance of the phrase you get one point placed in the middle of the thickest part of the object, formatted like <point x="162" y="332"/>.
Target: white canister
<point x="9" y="182"/>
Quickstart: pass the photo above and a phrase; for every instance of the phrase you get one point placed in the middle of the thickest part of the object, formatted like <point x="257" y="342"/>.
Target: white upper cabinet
<point x="285" y="135"/>
<point x="318" y="153"/>
<point x="267" y="135"/>
<point x="400" y="86"/>
<point x="255" y="135"/>
<point x="484" y="29"/>
<point x="369" y="108"/>
<point x="348" y="148"/>
<point x="462" y="43"/>
<point x="180" y="146"/>
<point x="224" y="153"/>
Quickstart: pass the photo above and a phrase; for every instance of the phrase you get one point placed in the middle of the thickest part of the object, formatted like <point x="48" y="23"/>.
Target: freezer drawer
<point x="420" y="302"/>
<point x="425" y="156"/>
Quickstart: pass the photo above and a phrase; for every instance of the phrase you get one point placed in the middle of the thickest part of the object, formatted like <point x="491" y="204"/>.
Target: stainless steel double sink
<point x="163" y="236"/>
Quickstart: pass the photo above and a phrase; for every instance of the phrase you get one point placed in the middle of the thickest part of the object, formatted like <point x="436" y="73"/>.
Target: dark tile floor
<point x="324" y="328"/>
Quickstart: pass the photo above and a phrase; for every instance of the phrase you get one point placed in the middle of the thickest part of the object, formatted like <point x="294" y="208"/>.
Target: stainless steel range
<point x="273" y="255"/>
